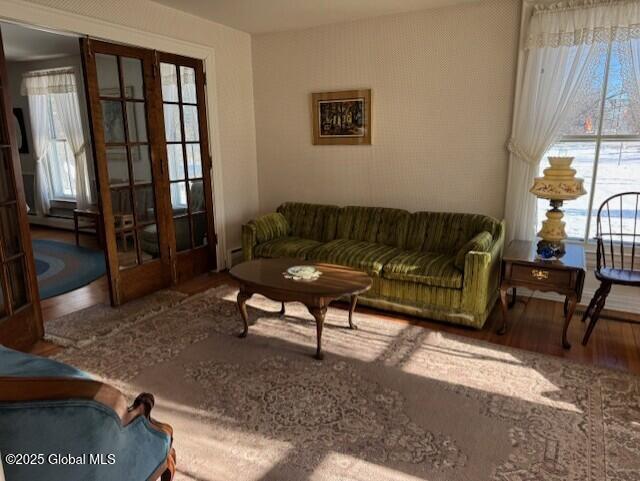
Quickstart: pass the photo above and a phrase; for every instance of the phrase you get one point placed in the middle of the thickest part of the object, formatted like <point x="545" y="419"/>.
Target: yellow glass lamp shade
<point x="559" y="183"/>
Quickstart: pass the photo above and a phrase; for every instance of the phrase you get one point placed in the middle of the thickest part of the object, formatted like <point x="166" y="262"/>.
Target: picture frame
<point x="341" y="117"/>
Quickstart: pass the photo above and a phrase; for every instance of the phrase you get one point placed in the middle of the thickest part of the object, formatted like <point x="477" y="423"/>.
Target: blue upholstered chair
<point x="51" y="409"/>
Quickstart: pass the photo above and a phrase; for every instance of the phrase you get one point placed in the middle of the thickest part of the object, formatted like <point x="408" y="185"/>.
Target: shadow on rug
<point x="389" y="402"/>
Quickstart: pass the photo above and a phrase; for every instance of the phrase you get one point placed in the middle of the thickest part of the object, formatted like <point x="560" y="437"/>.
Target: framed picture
<point x="21" y="131"/>
<point x="341" y="118"/>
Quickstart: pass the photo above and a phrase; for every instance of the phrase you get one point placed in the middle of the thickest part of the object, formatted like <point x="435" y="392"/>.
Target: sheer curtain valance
<point x="562" y="46"/>
<point x="45" y="82"/>
<point x="580" y="22"/>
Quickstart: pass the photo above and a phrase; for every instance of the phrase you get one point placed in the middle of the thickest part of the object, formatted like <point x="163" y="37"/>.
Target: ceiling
<point x="261" y="16"/>
<point x="22" y="44"/>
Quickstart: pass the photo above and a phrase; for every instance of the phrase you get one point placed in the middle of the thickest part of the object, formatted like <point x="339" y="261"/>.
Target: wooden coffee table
<point x="265" y="276"/>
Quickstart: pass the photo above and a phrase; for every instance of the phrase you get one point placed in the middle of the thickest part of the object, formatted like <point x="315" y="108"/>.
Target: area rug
<point x="63" y="267"/>
<point x="390" y="401"/>
<point x="85" y="326"/>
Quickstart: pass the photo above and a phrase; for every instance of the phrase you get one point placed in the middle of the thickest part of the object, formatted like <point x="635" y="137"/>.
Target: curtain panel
<point x="562" y="46"/>
<point x="60" y="86"/>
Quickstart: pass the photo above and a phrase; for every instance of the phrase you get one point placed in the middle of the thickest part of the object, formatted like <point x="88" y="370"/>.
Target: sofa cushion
<point x="366" y="256"/>
<point x="270" y="226"/>
<point x="480" y="243"/>
<point x="286" y="247"/>
<point x="430" y="268"/>
<point x="446" y="232"/>
<point x="311" y="221"/>
<point x="373" y="224"/>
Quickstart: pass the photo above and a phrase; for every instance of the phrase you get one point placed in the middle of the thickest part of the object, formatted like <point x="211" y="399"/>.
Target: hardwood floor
<point x="535" y="324"/>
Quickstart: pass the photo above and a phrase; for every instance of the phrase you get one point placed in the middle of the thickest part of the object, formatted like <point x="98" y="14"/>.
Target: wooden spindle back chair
<point x="618" y="250"/>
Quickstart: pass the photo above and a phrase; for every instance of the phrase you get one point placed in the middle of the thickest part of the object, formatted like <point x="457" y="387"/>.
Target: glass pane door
<point x="188" y="162"/>
<point x="128" y="138"/>
<point x="20" y="318"/>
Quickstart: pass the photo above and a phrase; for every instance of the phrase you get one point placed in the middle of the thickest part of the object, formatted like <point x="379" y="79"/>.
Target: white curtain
<point x="60" y="86"/>
<point x="39" y="116"/>
<point x="629" y="55"/>
<point x="563" y="45"/>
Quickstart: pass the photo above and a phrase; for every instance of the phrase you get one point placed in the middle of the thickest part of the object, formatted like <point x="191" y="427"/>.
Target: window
<point x="62" y="164"/>
<point x="604" y="138"/>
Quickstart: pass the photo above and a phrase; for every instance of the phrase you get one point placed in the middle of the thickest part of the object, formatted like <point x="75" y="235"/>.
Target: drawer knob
<point x="540" y="274"/>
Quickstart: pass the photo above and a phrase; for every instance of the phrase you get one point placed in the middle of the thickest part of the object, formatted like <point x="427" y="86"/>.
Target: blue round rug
<point x="63" y="267"/>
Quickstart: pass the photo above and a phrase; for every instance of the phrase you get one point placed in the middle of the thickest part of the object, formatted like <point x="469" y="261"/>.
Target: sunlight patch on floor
<point x="354" y="469"/>
<point x="453" y="361"/>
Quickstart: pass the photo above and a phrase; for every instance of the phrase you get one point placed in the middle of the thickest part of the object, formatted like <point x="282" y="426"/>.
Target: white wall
<point x="231" y="82"/>
<point x="442" y="83"/>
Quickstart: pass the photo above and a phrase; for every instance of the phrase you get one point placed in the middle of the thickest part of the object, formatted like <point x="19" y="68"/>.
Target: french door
<point x="153" y="166"/>
<point x="20" y="316"/>
<point x="127" y="140"/>
<point x="188" y="164"/>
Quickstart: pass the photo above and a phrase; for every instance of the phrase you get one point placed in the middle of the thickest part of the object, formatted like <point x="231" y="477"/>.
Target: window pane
<point x="179" y="198"/>
<point x="18" y="286"/>
<point x="145" y="205"/>
<point x="618" y="172"/>
<point x="148" y="239"/>
<point x="586" y="113"/>
<point x="169" y="82"/>
<point x="172" y="123"/>
<point x="194" y="163"/>
<point x="183" y="233"/>
<point x="199" y="229"/>
<point x="136" y="122"/>
<point x="618" y="116"/>
<point x="117" y="166"/>
<point x="191" y="131"/>
<point x="196" y="196"/>
<point x="188" y="84"/>
<point x="132" y="77"/>
<point x="108" y="77"/>
<point x="113" y="121"/>
<point x="141" y="164"/>
<point x="9" y="230"/>
<point x="121" y="206"/>
<point x="575" y="211"/>
<point x="127" y="250"/>
<point x="6" y="177"/>
<point x="176" y="161"/>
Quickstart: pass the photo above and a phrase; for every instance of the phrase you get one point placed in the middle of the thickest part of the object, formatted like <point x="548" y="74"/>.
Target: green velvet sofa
<point x="437" y="265"/>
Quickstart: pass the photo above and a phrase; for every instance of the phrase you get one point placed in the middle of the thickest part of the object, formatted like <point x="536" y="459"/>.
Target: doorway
<point x="148" y="171"/>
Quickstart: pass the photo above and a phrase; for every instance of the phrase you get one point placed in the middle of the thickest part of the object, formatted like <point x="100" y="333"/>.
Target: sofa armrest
<point x="249" y="241"/>
<point x="482" y="275"/>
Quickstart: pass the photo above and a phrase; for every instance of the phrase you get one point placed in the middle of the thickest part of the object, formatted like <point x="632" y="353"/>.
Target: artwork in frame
<point x="341" y="118"/>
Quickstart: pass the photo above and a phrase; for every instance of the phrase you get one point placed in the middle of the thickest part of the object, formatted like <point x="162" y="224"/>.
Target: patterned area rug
<point x="389" y="402"/>
<point x="86" y="325"/>
<point x="63" y="267"/>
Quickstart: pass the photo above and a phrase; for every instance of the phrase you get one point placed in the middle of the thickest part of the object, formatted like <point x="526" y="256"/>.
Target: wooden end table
<point x="522" y="268"/>
<point x="265" y="277"/>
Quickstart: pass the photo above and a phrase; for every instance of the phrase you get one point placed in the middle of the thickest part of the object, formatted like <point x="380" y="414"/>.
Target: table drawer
<point x="541" y="275"/>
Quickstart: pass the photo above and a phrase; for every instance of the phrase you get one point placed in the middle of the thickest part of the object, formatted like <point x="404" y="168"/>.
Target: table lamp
<point x="559" y="183"/>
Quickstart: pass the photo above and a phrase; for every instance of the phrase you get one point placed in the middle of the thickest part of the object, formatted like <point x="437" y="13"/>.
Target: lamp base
<point x="549" y="250"/>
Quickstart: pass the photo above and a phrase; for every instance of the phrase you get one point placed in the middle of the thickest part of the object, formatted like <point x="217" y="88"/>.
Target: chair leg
<point x="601" y="295"/>
<point x="589" y="310"/>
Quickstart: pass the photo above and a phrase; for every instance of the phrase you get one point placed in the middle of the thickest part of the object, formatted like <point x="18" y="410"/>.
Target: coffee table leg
<point x="282" y="310"/>
<point x="354" y="301"/>
<point x="318" y="313"/>
<point x="243" y="297"/>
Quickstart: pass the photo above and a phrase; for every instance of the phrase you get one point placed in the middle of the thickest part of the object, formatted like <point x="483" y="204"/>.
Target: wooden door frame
<point x="193" y="260"/>
<point x="40" y="16"/>
<point x="130" y="283"/>
<point x="25" y="324"/>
